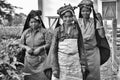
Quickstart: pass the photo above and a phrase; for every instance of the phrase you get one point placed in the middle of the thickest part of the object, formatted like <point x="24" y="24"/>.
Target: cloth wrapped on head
<point x="86" y="3"/>
<point x="64" y="9"/>
<point x="36" y="14"/>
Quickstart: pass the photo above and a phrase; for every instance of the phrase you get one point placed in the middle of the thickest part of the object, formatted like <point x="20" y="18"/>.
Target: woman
<point x="67" y="48"/>
<point x="34" y="41"/>
<point x="88" y="26"/>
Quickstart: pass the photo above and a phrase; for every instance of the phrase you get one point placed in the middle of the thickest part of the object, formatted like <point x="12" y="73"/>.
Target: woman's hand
<point x="56" y="73"/>
<point x="74" y="18"/>
<point x="38" y="50"/>
<point x="83" y="68"/>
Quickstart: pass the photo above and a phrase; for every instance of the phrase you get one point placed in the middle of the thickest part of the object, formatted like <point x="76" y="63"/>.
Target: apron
<point x="34" y="64"/>
<point x="69" y="61"/>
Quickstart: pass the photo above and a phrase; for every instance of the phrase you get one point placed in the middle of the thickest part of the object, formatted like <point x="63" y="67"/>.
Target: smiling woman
<point x="27" y="5"/>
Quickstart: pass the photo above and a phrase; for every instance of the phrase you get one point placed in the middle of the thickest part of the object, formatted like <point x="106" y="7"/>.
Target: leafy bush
<point x="10" y="68"/>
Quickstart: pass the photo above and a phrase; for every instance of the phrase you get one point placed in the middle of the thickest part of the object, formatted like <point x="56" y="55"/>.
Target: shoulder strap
<point x="95" y="23"/>
<point x="80" y="40"/>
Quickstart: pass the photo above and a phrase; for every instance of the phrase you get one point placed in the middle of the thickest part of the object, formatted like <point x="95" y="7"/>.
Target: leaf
<point x="1" y="75"/>
<point x="13" y="66"/>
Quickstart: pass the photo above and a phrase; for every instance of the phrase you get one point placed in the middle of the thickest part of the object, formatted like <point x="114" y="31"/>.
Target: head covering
<point x="36" y="14"/>
<point x="99" y="16"/>
<point x="88" y="4"/>
<point x="64" y="9"/>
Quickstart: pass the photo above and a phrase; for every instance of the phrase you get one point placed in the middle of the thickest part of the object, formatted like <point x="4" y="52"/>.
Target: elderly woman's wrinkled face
<point x="33" y="23"/>
<point x="67" y="17"/>
<point x="85" y="12"/>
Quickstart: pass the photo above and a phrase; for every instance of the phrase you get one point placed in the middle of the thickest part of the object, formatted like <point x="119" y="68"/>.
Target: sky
<point x="27" y="5"/>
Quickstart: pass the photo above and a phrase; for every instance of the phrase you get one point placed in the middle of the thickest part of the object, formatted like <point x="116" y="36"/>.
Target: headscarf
<point x="65" y="9"/>
<point x="36" y="14"/>
<point x="88" y="4"/>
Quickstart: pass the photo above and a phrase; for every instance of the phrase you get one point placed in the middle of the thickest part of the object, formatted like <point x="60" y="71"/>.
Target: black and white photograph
<point x="59" y="40"/>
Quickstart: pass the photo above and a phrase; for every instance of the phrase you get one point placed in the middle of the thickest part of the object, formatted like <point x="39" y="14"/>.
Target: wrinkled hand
<point x="56" y="74"/>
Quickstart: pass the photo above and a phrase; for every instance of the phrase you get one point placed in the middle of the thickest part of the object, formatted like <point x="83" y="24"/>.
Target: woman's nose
<point x="33" y="23"/>
<point x="68" y="18"/>
<point x="85" y="12"/>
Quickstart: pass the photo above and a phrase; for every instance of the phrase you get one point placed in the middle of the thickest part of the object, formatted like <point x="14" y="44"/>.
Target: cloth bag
<point x="103" y="46"/>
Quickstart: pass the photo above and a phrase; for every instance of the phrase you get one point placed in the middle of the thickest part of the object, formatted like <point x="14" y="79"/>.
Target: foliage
<point x="19" y="19"/>
<point x="6" y="10"/>
<point x="4" y="7"/>
<point x="10" y="68"/>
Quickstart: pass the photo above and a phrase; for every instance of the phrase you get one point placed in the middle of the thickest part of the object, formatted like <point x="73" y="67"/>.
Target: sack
<point x="104" y="48"/>
<point x="48" y="73"/>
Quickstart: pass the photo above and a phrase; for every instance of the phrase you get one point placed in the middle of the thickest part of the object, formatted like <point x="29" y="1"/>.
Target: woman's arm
<point x="81" y="49"/>
<point x="46" y="46"/>
<point x="22" y="43"/>
<point x="48" y="39"/>
<point x="24" y="46"/>
<point x="101" y="32"/>
<point x="100" y="29"/>
<point x="54" y="53"/>
<point x="38" y="51"/>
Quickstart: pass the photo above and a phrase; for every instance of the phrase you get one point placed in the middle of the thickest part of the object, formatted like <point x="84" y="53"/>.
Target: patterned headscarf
<point x="65" y="9"/>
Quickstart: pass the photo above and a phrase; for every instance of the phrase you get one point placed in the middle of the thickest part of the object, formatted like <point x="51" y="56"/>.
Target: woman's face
<point x="67" y="18"/>
<point x="85" y="12"/>
<point x="33" y="23"/>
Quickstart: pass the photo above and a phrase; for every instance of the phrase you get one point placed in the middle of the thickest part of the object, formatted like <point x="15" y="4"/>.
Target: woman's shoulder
<point x="44" y="30"/>
<point x="91" y="20"/>
<point x="26" y="31"/>
<point x="57" y="29"/>
<point x="80" y="20"/>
